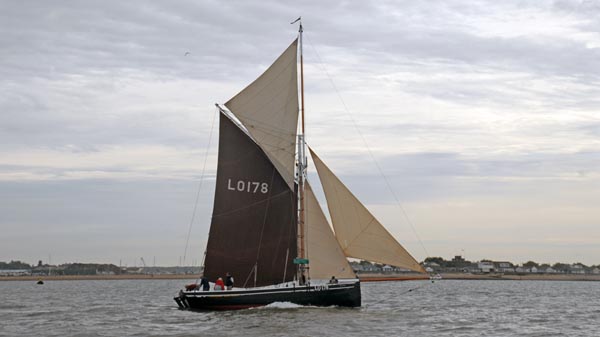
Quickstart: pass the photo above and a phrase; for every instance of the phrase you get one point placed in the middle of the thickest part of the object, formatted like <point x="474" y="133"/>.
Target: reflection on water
<point x="445" y="308"/>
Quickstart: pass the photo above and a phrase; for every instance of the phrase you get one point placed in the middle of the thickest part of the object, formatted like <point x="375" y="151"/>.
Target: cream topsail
<point x="358" y="232"/>
<point x="326" y="256"/>
<point x="268" y="109"/>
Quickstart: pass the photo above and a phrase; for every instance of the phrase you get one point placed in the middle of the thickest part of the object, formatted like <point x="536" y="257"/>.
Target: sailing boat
<point x="268" y="230"/>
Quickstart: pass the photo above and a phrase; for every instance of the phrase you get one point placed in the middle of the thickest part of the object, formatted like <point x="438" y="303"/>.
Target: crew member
<point x="204" y="284"/>
<point x="219" y="285"/>
<point x="229" y="281"/>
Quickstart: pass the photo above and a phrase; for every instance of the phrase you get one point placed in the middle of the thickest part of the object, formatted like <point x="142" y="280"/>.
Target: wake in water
<point x="284" y="305"/>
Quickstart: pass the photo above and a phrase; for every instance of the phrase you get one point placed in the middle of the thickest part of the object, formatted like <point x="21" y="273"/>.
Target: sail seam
<point x="250" y="205"/>
<point x="359" y="234"/>
<point x="262" y="229"/>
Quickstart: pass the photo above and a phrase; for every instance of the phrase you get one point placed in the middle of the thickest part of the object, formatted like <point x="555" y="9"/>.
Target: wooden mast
<point x="302" y="85"/>
<point x="303" y="155"/>
<point x="301" y="169"/>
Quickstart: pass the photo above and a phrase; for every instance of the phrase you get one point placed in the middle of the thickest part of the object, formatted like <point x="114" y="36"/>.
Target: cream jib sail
<point x="325" y="254"/>
<point x="358" y="232"/>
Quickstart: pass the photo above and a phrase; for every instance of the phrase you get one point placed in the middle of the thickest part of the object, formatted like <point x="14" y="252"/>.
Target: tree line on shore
<point x="63" y="269"/>
<point x="19" y="268"/>
<point x="457" y="263"/>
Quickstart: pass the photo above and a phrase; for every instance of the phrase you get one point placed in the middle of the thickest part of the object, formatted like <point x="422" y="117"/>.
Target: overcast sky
<point x="484" y="116"/>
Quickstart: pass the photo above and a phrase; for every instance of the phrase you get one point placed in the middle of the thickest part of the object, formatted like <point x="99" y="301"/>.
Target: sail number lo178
<point x="248" y="186"/>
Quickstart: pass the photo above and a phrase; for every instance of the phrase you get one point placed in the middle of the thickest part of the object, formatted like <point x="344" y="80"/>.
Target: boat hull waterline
<point x="343" y="295"/>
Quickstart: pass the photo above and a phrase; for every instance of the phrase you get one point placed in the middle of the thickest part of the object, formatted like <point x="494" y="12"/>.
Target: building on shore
<point x="15" y="272"/>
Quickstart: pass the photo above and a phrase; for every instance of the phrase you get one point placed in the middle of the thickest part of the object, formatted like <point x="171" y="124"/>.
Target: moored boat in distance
<point x="268" y="230"/>
<point x="436" y="277"/>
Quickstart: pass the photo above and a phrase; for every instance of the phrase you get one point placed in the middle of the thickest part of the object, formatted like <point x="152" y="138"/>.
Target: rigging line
<point x="306" y="225"/>
<point x="262" y="144"/>
<point x="244" y="129"/>
<point x="369" y="150"/>
<point x="202" y="265"/>
<point x="200" y="275"/>
<point x="262" y="229"/>
<point x="187" y="240"/>
<point x="400" y="294"/>
<point x="249" y="274"/>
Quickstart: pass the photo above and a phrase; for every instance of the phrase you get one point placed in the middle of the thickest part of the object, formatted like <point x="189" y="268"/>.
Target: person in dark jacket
<point x="229" y="281"/>
<point x="204" y="284"/>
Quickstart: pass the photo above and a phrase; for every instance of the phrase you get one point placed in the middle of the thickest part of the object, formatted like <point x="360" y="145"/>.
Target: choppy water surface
<point x="446" y="308"/>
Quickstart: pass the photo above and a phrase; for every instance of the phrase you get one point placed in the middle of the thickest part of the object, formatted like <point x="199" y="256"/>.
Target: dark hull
<point x="344" y="295"/>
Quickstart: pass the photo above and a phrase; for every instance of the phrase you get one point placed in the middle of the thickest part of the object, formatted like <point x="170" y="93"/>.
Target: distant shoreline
<point x="363" y="277"/>
<point x="524" y="277"/>
<point x="101" y="277"/>
<point x="465" y="276"/>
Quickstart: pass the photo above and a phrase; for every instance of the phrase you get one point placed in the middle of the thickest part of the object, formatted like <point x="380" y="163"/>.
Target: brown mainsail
<point x="254" y="227"/>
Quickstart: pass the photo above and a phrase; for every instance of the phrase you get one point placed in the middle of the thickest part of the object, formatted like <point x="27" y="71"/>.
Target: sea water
<point x="411" y="308"/>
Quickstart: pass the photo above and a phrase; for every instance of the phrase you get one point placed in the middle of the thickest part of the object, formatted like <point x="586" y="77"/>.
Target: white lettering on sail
<point x="248" y="186"/>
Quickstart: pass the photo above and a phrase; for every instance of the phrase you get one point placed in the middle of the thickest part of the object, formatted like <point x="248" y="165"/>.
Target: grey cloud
<point x="592" y="129"/>
<point x="430" y="176"/>
<point x="436" y="32"/>
<point x="154" y="36"/>
<point x="536" y="165"/>
<point x="63" y="67"/>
